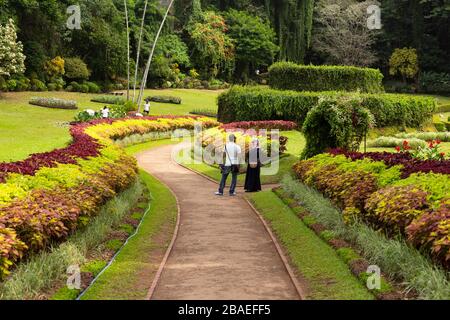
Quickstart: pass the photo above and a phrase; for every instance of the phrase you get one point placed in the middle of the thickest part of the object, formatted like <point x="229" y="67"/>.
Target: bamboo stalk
<point x="128" y="50"/>
<point x="139" y="50"/>
<point x="147" y="69"/>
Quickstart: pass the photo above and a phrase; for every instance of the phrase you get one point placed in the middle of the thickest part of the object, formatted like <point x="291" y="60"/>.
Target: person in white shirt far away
<point x="232" y="155"/>
<point x="105" y="112"/>
<point x="147" y="107"/>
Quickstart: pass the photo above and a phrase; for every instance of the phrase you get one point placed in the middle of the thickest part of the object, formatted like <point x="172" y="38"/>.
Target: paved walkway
<point x="222" y="250"/>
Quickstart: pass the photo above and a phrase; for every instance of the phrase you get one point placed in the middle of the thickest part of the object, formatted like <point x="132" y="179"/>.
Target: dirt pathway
<point x="222" y="250"/>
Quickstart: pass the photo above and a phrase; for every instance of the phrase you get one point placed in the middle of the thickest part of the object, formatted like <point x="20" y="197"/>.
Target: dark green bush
<point x="93" y="87"/>
<point x="336" y="122"/>
<point x="76" y="69"/>
<point x="258" y="103"/>
<point x="291" y="76"/>
<point x="165" y="99"/>
<point x="37" y="85"/>
<point x="433" y="82"/>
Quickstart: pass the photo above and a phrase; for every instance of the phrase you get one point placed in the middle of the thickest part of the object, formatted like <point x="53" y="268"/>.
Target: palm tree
<point x="147" y="68"/>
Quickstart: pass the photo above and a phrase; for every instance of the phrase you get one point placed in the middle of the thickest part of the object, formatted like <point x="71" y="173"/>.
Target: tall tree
<point x="341" y="34"/>
<point x="293" y="22"/>
<point x="11" y="51"/>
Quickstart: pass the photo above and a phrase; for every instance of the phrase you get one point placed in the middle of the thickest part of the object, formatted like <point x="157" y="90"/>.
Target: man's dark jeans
<point x="225" y="173"/>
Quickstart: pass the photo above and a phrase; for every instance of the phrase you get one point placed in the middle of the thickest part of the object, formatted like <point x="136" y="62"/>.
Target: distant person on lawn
<point x="147" y="107"/>
<point x="232" y="153"/>
<point x="105" y="112"/>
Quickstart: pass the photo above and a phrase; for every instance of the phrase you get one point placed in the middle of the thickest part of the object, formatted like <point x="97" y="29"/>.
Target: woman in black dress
<point x="253" y="176"/>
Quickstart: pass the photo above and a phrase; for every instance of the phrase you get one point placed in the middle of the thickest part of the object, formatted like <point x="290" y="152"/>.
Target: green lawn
<point x="27" y="129"/>
<point x="327" y="276"/>
<point x="295" y="145"/>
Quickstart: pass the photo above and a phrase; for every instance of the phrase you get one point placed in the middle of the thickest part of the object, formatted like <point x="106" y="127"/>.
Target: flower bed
<point x="54" y="103"/>
<point x="47" y="196"/>
<point x="392" y="192"/>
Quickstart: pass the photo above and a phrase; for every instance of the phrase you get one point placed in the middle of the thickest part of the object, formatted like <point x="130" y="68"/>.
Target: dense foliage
<point x="290" y="76"/>
<point x="256" y="103"/>
<point x="302" y="31"/>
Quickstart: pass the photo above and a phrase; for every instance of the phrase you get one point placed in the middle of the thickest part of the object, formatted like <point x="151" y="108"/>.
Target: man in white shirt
<point x="147" y="107"/>
<point x="105" y="112"/>
<point x="232" y="157"/>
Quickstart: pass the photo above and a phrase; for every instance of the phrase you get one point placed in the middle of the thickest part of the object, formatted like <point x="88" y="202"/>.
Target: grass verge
<point x="326" y="274"/>
<point x="131" y="274"/>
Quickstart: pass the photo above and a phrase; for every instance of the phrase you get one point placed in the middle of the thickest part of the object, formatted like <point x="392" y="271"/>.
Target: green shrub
<point x="3" y="84"/>
<point x="426" y="136"/>
<point x="11" y="84"/>
<point x="386" y="142"/>
<point x="336" y="122"/>
<point x="54" y="103"/>
<point x="165" y="99"/>
<point x="37" y="85"/>
<point x="109" y="99"/>
<point x="259" y="103"/>
<point x="84" y="88"/>
<point x="73" y="87"/>
<point x="291" y="76"/>
<point x="440" y="126"/>
<point x="76" y="69"/>
<point x="22" y="83"/>
<point x="433" y="82"/>
<point x="93" y="87"/>
<point x="52" y="87"/>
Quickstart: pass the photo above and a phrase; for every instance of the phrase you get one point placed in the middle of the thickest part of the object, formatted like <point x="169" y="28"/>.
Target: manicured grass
<point x="295" y="145"/>
<point x="27" y="129"/>
<point x="328" y="277"/>
<point x="130" y="276"/>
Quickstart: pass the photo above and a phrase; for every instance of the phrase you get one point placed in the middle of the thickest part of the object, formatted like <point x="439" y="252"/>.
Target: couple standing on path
<point x="233" y="155"/>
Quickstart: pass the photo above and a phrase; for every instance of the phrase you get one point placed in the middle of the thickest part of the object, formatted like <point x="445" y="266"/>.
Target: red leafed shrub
<point x="410" y="165"/>
<point x="258" y="125"/>
<point x="432" y="230"/>
<point x="393" y="208"/>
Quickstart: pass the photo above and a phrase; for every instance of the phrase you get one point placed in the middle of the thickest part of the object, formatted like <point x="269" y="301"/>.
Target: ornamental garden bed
<point x="394" y="193"/>
<point x="46" y="197"/>
<point x="54" y="103"/>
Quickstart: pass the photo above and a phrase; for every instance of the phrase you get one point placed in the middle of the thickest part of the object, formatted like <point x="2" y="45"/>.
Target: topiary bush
<point x="291" y="76"/>
<point x="109" y="99"/>
<point x="336" y="122"/>
<point x="258" y="103"/>
<point x="53" y="103"/>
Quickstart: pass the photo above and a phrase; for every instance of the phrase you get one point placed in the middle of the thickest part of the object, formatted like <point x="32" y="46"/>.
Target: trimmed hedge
<point x="165" y="99"/>
<point x="291" y="76"/>
<point x="257" y="104"/>
<point x="54" y="103"/>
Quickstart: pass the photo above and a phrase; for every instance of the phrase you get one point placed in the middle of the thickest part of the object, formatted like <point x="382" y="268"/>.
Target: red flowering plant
<point x="405" y="147"/>
<point x="432" y="152"/>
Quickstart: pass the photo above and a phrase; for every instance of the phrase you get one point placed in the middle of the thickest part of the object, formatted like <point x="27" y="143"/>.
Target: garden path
<point x="222" y="250"/>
